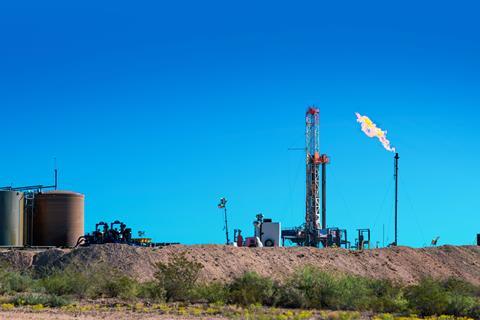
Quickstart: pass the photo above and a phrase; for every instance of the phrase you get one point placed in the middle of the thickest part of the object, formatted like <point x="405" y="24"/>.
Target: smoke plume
<point x="373" y="131"/>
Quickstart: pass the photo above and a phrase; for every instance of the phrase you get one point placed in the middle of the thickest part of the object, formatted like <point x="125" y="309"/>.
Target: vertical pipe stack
<point x="396" y="198"/>
<point x="324" y="195"/>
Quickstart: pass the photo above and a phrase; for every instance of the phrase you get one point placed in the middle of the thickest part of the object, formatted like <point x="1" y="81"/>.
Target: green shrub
<point x="463" y="298"/>
<point x="251" y="289"/>
<point x="461" y="287"/>
<point x="113" y="285"/>
<point x="151" y="291"/>
<point x="353" y="293"/>
<point x="428" y="298"/>
<point x="290" y="296"/>
<point x="387" y="297"/>
<point x="178" y="277"/>
<point x="11" y="281"/>
<point x="67" y="282"/>
<point x="460" y="305"/>
<point x="95" y="282"/>
<point x="32" y="299"/>
<point x="214" y="292"/>
<point x="320" y="289"/>
<point x="474" y="312"/>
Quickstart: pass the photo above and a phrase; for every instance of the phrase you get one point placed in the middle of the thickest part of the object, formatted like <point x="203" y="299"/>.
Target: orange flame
<point x="371" y="130"/>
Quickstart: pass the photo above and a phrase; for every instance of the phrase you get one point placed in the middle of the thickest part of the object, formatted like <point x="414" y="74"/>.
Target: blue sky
<point x="157" y="109"/>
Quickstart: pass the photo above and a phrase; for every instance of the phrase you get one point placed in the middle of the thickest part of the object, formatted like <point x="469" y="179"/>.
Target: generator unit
<point x="267" y="231"/>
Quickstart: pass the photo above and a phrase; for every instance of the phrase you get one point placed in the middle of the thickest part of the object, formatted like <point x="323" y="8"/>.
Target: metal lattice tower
<point x="313" y="160"/>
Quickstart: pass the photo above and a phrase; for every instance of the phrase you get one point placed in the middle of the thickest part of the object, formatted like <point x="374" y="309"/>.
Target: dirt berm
<point x="403" y="264"/>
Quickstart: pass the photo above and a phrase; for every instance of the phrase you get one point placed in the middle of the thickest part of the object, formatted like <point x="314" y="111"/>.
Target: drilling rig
<point x="315" y="231"/>
<point x="313" y="222"/>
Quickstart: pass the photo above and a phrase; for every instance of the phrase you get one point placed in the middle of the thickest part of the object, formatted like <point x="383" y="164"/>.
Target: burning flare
<point x="373" y="131"/>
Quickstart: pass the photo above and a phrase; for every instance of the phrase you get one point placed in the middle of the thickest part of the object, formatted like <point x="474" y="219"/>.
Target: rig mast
<point x="313" y="222"/>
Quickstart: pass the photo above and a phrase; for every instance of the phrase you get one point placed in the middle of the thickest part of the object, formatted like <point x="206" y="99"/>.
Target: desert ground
<point x="221" y="263"/>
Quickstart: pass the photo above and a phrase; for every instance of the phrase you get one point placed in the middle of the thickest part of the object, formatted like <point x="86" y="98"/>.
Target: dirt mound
<point x="223" y="263"/>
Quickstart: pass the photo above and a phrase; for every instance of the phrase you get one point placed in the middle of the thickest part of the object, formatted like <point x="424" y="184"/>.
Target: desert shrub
<point x="214" y="292"/>
<point x="251" y="289"/>
<point x="178" y="277"/>
<point x="320" y="289"/>
<point x="33" y="299"/>
<point x="311" y="287"/>
<point x="112" y="284"/>
<point x="11" y="281"/>
<point x="461" y="287"/>
<point x="386" y="297"/>
<point x="66" y="282"/>
<point x="452" y="297"/>
<point x="290" y="296"/>
<point x="460" y="305"/>
<point x="428" y="298"/>
<point x="94" y="282"/>
<point x="463" y="298"/>
<point x="353" y="293"/>
<point x="151" y="291"/>
<point x="474" y="312"/>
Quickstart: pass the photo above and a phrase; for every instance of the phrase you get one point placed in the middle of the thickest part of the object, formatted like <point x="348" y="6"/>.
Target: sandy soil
<point x="223" y="263"/>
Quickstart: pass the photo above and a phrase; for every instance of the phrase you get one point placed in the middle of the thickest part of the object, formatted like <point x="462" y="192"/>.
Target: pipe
<point x="226" y="227"/>
<point x="324" y="195"/>
<point x="396" y="198"/>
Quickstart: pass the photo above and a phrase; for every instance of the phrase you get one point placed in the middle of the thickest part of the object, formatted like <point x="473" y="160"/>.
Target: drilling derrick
<point x="313" y="222"/>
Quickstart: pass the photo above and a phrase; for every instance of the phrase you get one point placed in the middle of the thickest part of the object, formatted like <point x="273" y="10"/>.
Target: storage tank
<point x="58" y="218"/>
<point x="11" y="218"/>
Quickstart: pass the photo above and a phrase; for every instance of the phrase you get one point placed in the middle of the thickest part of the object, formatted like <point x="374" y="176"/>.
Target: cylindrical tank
<point x="58" y="218"/>
<point x="11" y="218"/>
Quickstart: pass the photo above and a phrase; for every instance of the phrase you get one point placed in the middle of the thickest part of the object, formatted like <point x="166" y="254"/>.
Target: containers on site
<point x="58" y="219"/>
<point x="267" y="231"/>
<point x="12" y="218"/>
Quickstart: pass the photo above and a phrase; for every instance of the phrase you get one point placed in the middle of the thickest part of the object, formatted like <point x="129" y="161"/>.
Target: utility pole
<point x="56" y="174"/>
<point x="223" y="205"/>
<point x="396" y="198"/>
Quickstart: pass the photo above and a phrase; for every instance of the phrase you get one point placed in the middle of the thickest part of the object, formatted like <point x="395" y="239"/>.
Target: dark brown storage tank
<point x="58" y="219"/>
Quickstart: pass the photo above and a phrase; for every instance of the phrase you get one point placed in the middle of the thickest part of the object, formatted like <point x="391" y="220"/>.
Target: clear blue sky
<point x="156" y="109"/>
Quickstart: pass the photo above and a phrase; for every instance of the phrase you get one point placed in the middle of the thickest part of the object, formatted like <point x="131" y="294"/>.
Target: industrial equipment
<point x="58" y="218"/>
<point x="223" y="205"/>
<point x="116" y="232"/>
<point x="396" y="198"/>
<point x="266" y="233"/>
<point x="237" y="238"/>
<point x="42" y="218"/>
<point x="363" y="240"/>
<point x="315" y="231"/>
<point x="314" y="160"/>
<point x="28" y="217"/>
<point x="12" y="217"/>
<point x="478" y="239"/>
